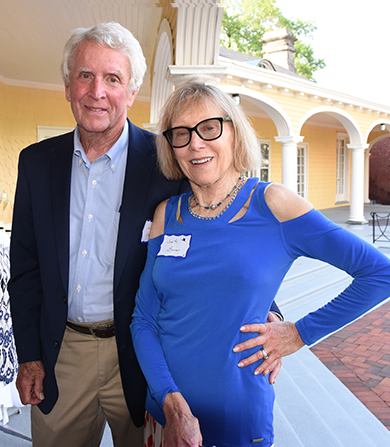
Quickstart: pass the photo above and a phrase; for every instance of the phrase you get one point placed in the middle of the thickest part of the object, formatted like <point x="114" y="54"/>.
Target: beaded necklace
<point x="233" y="195"/>
<point x="213" y="207"/>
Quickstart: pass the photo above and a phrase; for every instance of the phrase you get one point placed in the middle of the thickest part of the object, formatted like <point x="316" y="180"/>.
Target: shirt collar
<point x="114" y="153"/>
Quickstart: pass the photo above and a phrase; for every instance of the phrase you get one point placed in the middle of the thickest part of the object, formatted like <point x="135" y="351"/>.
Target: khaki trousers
<point x="90" y="393"/>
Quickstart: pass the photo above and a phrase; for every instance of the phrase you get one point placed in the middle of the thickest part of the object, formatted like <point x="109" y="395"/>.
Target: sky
<point x="353" y="36"/>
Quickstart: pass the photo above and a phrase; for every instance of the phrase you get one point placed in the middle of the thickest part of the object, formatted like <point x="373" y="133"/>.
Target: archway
<point x="379" y="170"/>
<point x="377" y="160"/>
<point x="161" y="87"/>
<point x="357" y="146"/>
<point x="283" y="126"/>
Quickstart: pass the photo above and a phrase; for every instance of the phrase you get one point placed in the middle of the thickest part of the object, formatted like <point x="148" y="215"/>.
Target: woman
<point x="217" y="257"/>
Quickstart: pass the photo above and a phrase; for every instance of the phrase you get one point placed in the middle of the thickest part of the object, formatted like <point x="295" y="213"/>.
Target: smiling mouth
<point x="95" y="110"/>
<point x="202" y="161"/>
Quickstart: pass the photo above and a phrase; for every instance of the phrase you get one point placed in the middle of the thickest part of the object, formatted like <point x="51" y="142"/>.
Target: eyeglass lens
<point x="207" y="130"/>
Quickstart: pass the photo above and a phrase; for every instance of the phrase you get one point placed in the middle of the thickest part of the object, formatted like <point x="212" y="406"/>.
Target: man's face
<point x="98" y="90"/>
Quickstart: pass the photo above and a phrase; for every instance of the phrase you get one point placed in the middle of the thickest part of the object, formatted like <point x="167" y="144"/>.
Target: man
<point x="82" y="206"/>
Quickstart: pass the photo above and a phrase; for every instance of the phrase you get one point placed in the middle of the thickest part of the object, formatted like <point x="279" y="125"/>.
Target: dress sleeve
<point x="314" y="236"/>
<point x="145" y="335"/>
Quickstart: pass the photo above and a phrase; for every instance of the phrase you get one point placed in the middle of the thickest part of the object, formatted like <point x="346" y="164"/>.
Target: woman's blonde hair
<point x="246" y="152"/>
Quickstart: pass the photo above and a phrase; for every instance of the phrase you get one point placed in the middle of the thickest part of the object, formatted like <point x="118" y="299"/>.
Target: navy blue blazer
<point x="40" y="255"/>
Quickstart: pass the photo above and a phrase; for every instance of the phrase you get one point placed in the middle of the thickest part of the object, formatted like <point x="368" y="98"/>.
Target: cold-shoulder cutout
<point x="284" y="203"/>
<point x="178" y="215"/>
<point x="245" y="208"/>
<point x="158" y="224"/>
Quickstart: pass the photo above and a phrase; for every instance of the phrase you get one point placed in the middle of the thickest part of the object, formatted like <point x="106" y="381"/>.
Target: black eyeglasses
<point x="208" y="130"/>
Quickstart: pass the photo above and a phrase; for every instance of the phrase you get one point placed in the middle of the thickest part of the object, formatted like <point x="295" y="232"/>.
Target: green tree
<point x="245" y="21"/>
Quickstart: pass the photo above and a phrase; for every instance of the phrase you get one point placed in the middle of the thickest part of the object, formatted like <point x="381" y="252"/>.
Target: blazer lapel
<point x="60" y="172"/>
<point x="138" y="172"/>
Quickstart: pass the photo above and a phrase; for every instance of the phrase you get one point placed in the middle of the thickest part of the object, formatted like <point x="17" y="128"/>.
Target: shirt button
<point x="90" y="217"/>
<point x="94" y="182"/>
<point x="113" y="167"/>
<point x="84" y="252"/>
<point x="79" y="319"/>
<point x="78" y="287"/>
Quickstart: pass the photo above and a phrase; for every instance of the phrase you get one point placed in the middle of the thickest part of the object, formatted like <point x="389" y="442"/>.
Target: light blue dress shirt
<point x="95" y="201"/>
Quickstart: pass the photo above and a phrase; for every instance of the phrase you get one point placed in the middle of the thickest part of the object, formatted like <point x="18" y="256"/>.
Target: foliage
<point x="245" y="22"/>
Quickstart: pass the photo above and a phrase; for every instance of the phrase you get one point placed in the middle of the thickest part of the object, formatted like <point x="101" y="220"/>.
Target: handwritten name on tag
<point x="176" y="246"/>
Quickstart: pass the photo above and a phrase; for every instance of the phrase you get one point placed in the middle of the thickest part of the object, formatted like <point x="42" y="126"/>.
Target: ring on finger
<point x="265" y="354"/>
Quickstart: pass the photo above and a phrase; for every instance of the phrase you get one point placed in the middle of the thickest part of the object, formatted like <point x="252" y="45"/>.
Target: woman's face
<point x="206" y="162"/>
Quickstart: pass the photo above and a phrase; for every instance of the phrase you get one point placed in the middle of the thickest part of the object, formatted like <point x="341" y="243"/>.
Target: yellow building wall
<point x="322" y="143"/>
<point x="374" y="135"/>
<point x="3" y="157"/>
<point x="322" y="165"/>
<point x="295" y="107"/>
<point x="321" y="159"/>
<point x="22" y="110"/>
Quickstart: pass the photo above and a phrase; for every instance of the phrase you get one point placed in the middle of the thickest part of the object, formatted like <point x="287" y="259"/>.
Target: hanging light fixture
<point x="236" y="98"/>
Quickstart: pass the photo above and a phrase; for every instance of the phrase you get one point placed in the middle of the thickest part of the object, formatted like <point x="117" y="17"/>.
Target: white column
<point x="197" y="39"/>
<point x="289" y="160"/>
<point x="366" y="176"/>
<point x="198" y="30"/>
<point x="356" y="210"/>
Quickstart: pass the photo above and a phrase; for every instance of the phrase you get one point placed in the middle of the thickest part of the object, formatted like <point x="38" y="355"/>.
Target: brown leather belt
<point x="100" y="332"/>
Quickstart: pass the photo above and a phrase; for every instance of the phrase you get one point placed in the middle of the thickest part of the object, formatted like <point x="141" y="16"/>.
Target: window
<point x="263" y="172"/>
<point x="342" y="169"/>
<point x="44" y="132"/>
<point x="302" y="162"/>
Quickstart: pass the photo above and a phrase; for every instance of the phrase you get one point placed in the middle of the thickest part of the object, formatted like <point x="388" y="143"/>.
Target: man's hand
<point x="277" y="338"/>
<point x="30" y="382"/>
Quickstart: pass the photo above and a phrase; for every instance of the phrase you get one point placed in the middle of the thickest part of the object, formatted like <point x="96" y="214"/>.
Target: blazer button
<point x="64" y="299"/>
<point x="55" y="344"/>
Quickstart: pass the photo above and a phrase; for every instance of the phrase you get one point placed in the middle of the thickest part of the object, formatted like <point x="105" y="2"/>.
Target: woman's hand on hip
<point x="278" y="339"/>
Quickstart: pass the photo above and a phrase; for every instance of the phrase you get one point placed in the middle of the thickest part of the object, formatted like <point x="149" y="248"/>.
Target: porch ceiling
<point x="33" y="33"/>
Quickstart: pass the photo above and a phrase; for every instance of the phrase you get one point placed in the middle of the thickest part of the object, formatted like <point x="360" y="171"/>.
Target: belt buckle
<point x="96" y="327"/>
<point x="92" y="331"/>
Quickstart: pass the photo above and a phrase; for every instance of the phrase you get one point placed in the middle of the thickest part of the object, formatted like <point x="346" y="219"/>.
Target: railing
<point x="380" y="221"/>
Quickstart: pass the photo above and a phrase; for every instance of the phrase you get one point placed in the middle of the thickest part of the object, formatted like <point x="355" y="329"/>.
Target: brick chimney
<point x="278" y="47"/>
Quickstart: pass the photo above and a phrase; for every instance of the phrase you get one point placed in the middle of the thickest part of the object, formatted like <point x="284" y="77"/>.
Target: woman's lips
<point x="201" y="161"/>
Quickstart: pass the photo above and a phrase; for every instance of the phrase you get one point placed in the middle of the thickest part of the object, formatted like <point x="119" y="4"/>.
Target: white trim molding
<point x="161" y="87"/>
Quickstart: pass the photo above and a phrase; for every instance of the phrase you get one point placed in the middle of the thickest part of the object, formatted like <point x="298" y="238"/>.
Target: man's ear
<point x="131" y="99"/>
<point x="67" y="92"/>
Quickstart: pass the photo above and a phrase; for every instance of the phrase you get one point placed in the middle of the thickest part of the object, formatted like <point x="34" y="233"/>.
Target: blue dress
<point x="204" y="279"/>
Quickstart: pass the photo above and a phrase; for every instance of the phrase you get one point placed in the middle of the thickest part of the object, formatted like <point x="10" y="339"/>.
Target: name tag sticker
<point x="176" y="246"/>
<point x="146" y="231"/>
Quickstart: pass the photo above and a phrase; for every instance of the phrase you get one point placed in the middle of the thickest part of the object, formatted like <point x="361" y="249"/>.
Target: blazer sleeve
<point x="25" y="286"/>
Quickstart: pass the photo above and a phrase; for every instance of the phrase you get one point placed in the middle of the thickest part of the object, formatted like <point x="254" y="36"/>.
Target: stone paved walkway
<point x="359" y="355"/>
